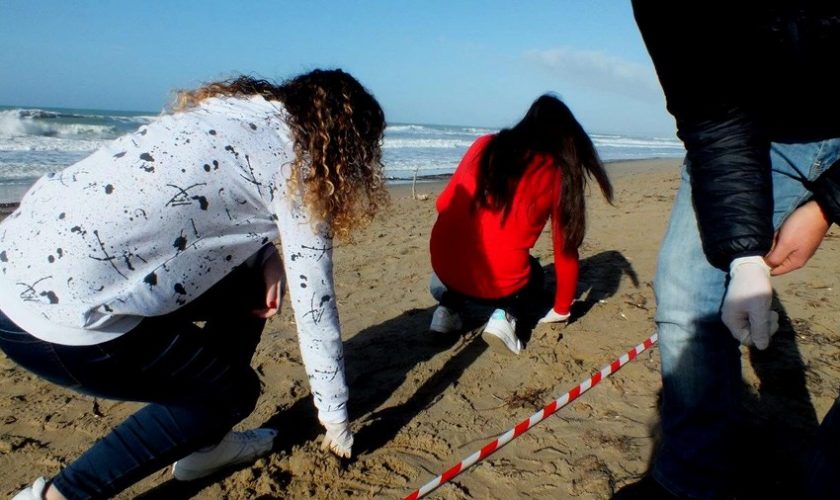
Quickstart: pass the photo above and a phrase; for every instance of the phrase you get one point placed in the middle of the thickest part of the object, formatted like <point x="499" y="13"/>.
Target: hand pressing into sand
<point x="798" y="239"/>
<point x="275" y="281"/>
<point x="338" y="438"/>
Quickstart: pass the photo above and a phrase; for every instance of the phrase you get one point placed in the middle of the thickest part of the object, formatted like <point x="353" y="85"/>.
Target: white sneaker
<point x="445" y="320"/>
<point x="34" y="492"/>
<point x="234" y="448"/>
<point x="501" y="331"/>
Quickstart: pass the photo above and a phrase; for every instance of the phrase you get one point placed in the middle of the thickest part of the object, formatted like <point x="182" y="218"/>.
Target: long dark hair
<point x="338" y="128"/>
<point x="547" y="128"/>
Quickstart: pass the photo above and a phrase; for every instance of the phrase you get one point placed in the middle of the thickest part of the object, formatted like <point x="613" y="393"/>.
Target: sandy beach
<point x="419" y="407"/>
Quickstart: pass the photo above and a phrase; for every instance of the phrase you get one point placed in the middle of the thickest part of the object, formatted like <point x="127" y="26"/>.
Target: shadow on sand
<point x="771" y="437"/>
<point x="383" y="355"/>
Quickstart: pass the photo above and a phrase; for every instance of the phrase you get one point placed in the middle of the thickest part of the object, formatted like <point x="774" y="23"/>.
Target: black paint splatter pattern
<point x="148" y="223"/>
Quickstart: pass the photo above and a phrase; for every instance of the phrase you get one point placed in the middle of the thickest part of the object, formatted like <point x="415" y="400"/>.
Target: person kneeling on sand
<point x="493" y="210"/>
<point x="105" y="267"/>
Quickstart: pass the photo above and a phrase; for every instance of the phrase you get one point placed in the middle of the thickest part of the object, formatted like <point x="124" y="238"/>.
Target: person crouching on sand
<point x="493" y="210"/>
<point x="105" y="267"/>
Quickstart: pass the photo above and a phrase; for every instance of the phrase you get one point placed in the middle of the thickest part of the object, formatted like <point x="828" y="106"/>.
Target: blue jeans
<point x="701" y="370"/>
<point x="198" y="383"/>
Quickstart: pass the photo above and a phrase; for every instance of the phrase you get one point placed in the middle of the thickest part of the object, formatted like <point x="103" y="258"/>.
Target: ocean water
<point x="35" y="141"/>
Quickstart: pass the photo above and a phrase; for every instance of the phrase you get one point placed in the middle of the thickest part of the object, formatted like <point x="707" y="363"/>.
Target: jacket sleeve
<point x="731" y="186"/>
<point x="566" y="269"/>
<point x="307" y="257"/>
<point x="728" y="156"/>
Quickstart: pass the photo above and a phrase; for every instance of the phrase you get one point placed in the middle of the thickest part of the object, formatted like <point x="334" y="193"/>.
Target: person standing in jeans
<point x="760" y="119"/>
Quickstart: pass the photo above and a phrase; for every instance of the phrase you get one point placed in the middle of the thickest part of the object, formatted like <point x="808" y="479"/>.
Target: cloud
<point x="600" y="71"/>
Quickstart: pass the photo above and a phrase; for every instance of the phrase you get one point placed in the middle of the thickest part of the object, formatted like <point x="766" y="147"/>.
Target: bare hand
<point x="798" y="239"/>
<point x="274" y="278"/>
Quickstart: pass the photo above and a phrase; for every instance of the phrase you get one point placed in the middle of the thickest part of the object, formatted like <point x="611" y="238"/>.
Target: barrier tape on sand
<point x="536" y="418"/>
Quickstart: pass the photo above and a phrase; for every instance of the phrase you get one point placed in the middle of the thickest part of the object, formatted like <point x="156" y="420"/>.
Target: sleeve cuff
<point x="740" y="261"/>
<point x="333" y="416"/>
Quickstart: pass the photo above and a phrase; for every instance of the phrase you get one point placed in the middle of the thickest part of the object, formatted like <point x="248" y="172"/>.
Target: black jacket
<point x="737" y="77"/>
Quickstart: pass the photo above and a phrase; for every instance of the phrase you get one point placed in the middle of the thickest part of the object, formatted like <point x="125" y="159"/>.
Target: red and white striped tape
<point x="536" y="418"/>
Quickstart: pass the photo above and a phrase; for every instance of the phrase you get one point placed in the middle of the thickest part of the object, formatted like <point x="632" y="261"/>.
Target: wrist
<point x="268" y="252"/>
<point x="815" y="208"/>
<point x="823" y="215"/>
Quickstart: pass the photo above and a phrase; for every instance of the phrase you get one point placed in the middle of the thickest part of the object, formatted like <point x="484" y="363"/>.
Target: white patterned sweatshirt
<point x="152" y="220"/>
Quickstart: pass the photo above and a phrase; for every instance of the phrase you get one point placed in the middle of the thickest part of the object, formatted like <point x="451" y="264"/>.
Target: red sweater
<point x="474" y="253"/>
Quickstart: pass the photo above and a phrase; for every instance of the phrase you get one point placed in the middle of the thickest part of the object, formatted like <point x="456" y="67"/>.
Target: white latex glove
<point x="746" y="307"/>
<point x="338" y="439"/>
<point x="554" y="317"/>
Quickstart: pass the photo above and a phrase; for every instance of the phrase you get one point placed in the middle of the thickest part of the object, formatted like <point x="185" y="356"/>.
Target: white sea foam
<point x="48" y="143"/>
<point x="403" y="129"/>
<point x="406" y="128"/>
<point x="636" y="142"/>
<point x="40" y="123"/>
<point x="37" y="141"/>
<point x="12" y="172"/>
<point x="426" y="143"/>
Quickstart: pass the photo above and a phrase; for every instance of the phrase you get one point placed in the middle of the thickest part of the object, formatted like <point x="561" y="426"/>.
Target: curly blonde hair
<point x="337" y="128"/>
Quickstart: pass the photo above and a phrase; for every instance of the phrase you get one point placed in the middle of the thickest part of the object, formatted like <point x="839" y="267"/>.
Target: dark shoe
<point x="445" y="320"/>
